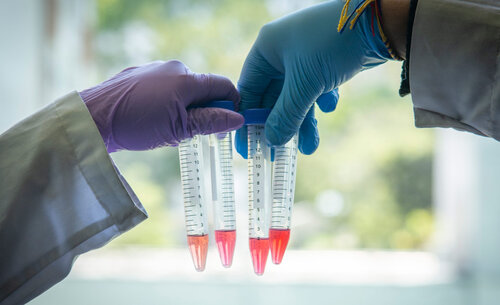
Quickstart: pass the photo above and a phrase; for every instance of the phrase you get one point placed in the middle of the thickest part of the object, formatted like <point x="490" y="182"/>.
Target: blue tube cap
<point x="229" y="105"/>
<point x="257" y="116"/>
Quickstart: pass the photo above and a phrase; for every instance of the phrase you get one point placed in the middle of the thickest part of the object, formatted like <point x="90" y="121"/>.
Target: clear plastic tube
<point x="284" y="176"/>
<point x="192" y="180"/>
<point x="221" y="159"/>
<point x="195" y="199"/>
<point x="259" y="200"/>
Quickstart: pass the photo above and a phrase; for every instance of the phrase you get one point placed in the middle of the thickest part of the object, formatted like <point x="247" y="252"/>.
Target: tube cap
<point x="229" y="105"/>
<point x="257" y="116"/>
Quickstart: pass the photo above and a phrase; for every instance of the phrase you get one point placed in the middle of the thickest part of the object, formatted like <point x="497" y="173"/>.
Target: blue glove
<point x="302" y="58"/>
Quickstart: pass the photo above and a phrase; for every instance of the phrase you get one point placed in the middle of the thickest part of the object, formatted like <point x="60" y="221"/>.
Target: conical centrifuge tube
<point x="221" y="160"/>
<point x="259" y="187"/>
<point x="284" y="173"/>
<point x="191" y="165"/>
<point x="195" y="200"/>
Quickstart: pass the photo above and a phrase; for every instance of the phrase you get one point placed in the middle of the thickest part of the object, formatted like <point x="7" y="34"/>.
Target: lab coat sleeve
<point x="61" y="196"/>
<point x="455" y="65"/>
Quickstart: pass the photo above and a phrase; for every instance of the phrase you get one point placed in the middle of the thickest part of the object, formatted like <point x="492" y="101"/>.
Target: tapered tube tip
<point x="259" y="248"/>
<point x="278" y="240"/>
<point x="225" y="241"/>
<point x="198" y="246"/>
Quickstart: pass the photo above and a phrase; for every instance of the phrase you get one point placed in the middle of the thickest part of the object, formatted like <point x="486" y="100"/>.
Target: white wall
<point x="44" y="53"/>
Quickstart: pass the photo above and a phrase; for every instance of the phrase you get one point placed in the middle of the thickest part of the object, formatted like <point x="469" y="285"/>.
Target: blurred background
<point x="384" y="213"/>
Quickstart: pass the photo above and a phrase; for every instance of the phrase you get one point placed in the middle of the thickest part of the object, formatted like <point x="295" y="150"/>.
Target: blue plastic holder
<point x="256" y="116"/>
<point x="229" y="105"/>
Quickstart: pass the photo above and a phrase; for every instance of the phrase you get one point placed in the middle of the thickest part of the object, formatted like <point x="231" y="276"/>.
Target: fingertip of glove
<point x="308" y="147"/>
<point x="234" y="120"/>
<point x="308" y="136"/>
<point x="275" y="137"/>
<point x="240" y="143"/>
<point x="328" y="102"/>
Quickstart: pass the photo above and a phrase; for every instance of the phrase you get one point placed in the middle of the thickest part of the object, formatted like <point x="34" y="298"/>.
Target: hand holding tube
<point x="145" y="107"/>
<point x="300" y="57"/>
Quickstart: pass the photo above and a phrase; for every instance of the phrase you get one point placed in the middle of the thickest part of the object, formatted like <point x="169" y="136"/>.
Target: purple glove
<point x="144" y="107"/>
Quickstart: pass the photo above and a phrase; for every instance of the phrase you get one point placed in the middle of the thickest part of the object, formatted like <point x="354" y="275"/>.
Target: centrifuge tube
<point x="191" y="165"/>
<point x="284" y="173"/>
<point x="221" y="161"/>
<point x="259" y="187"/>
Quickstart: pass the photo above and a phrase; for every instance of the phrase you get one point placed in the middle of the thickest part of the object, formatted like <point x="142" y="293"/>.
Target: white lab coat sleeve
<point x="61" y="196"/>
<point x="455" y="65"/>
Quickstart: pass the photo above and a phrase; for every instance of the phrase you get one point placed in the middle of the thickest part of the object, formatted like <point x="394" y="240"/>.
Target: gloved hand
<point x="144" y="107"/>
<point x="299" y="57"/>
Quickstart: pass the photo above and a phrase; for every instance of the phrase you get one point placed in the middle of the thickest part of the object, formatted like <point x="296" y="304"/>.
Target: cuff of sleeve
<point x="72" y="198"/>
<point x="102" y="176"/>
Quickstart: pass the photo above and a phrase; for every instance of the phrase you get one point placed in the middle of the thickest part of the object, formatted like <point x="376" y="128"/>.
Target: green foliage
<point x="209" y="36"/>
<point x="370" y="153"/>
<point x="411" y="181"/>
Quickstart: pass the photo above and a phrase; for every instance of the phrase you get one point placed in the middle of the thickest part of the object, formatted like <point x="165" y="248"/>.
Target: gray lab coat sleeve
<point x="455" y="65"/>
<point x="61" y="196"/>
